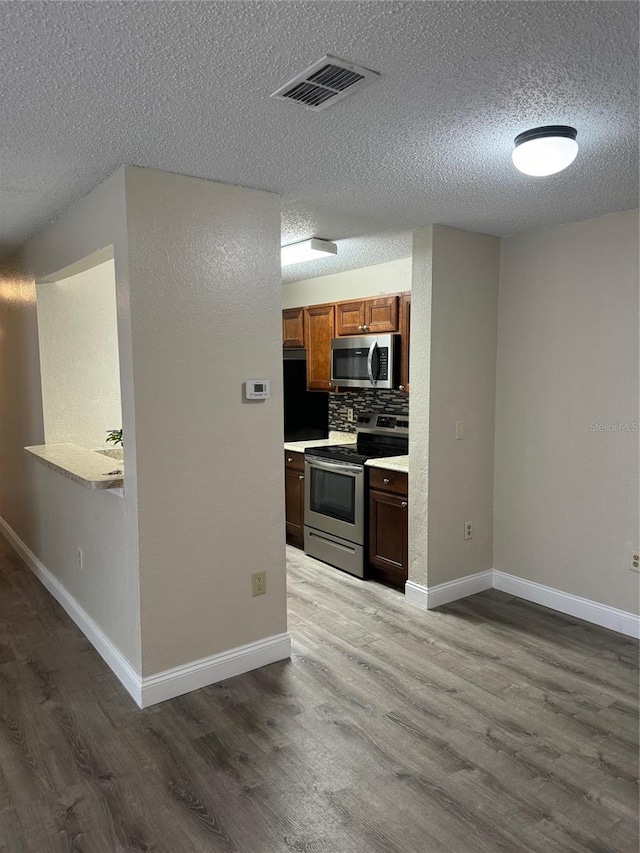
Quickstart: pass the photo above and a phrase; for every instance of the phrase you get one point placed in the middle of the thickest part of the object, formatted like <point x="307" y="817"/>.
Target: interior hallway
<point x="489" y="725"/>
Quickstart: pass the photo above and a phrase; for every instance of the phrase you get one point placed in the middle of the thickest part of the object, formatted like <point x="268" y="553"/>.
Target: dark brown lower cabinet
<point x="388" y="538"/>
<point x="294" y="497"/>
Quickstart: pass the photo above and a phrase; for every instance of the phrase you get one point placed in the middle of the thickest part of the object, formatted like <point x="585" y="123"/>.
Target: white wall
<point x="566" y="496"/>
<point x="453" y="365"/>
<point x="204" y="262"/>
<point x="79" y="363"/>
<point x="464" y="321"/>
<point x="420" y="366"/>
<point x="390" y="277"/>
<point x="166" y="567"/>
<point x="52" y="515"/>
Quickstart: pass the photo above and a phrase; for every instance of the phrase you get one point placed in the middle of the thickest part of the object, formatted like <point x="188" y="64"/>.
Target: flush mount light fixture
<point x="545" y="150"/>
<point x="307" y="250"/>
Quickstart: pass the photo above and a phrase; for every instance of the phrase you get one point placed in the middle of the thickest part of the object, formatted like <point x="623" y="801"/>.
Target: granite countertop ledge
<point x="390" y="463"/>
<point x="335" y="437"/>
<point x="86" y="467"/>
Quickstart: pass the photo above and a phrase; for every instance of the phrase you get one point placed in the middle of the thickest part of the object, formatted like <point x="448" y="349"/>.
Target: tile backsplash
<point x="364" y="400"/>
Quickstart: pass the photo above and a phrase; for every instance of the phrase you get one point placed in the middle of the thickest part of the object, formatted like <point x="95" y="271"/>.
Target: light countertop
<point x="390" y="463"/>
<point x="86" y="467"/>
<point x="334" y="438"/>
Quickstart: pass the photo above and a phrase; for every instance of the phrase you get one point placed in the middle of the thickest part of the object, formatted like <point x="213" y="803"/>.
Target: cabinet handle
<point x="289" y="458"/>
<point x="386" y="480"/>
<point x="301" y="476"/>
<point x="400" y="387"/>
<point x="403" y="504"/>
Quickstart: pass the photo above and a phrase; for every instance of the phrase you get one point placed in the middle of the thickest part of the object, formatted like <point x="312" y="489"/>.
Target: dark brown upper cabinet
<point x="405" y="337"/>
<point x="367" y="316"/>
<point x="319" y="328"/>
<point x="293" y="328"/>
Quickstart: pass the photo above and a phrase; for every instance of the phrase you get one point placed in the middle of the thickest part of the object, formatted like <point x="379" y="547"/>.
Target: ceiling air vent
<point x="325" y="82"/>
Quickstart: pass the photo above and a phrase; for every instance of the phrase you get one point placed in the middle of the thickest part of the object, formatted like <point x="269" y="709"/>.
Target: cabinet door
<point x="294" y="506"/>
<point x="405" y="332"/>
<point x="293" y="328"/>
<point x="388" y="538"/>
<point x="350" y="318"/>
<point x="381" y="315"/>
<point x="319" y="324"/>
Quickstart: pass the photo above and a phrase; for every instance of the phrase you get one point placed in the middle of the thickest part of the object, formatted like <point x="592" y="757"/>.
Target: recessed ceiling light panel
<point x="545" y="150"/>
<point x="307" y="250"/>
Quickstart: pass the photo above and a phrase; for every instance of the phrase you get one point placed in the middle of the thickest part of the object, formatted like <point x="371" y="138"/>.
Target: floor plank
<point x="488" y="725"/>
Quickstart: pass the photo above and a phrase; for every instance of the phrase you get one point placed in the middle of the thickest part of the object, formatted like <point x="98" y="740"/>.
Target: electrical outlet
<point x="634" y="563"/>
<point x="350" y="413"/>
<point x="258" y="583"/>
<point x="468" y="529"/>
<point x="80" y="559"/>
<point x="459" y="431"/>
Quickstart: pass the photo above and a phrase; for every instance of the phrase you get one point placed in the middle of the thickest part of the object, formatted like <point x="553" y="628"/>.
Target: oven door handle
<point x="334" y="467"/>
<point x="373" y="379"/>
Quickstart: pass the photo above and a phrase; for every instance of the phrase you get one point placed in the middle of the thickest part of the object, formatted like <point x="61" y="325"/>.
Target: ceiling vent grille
<point x="325" y="82"/>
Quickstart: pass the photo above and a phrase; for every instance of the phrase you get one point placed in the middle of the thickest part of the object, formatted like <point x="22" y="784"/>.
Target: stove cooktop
<point x="355" y="454"/>
<point x="379" y="435"/>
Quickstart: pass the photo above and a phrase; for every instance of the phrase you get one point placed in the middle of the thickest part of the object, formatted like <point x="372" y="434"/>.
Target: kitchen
<point x="346" y="386"/>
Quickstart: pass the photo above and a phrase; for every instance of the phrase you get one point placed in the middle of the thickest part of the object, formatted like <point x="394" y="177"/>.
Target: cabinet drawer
<point x="294" y="460"/>
<point x="389" y="481"/>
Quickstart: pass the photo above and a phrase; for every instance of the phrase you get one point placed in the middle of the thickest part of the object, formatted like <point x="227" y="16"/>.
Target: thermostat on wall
<point x="257" y="389"/>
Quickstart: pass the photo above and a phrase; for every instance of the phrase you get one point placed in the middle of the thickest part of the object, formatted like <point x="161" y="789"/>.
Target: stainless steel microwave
<point x="364" y="361"/>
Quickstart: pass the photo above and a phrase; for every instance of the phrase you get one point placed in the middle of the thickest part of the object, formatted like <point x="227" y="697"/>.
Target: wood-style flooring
<point x="489" y="725"/>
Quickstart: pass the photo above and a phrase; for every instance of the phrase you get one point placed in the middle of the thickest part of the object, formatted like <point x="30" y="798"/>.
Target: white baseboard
<point x="192" y="676"/>
<point x="573" y="605"/>
<point x="163" y="685"/>
<point x="564" y="602"/>
<point x="113" y="657"/>
<point x="443" y="593"/>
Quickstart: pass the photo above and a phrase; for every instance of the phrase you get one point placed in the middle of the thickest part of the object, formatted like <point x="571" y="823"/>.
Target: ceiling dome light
<point x="545" y="150"/>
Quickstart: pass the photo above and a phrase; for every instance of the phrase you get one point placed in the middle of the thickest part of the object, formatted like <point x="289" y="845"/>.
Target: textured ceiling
<point x="353" y="253"/>
<point x="185" y="87"/>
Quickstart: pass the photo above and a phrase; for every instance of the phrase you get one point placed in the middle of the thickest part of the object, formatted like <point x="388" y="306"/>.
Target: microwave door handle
<point x="373" y="379"/>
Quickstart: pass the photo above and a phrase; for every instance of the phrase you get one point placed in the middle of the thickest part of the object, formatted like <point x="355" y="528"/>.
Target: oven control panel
<point x="371" y="421"/>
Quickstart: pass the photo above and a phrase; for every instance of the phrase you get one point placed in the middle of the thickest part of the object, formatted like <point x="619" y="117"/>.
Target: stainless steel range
<point x="334" y="499"/>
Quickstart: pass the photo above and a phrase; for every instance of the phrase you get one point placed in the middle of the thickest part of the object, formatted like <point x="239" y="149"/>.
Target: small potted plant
<point x="115" y="437"/>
